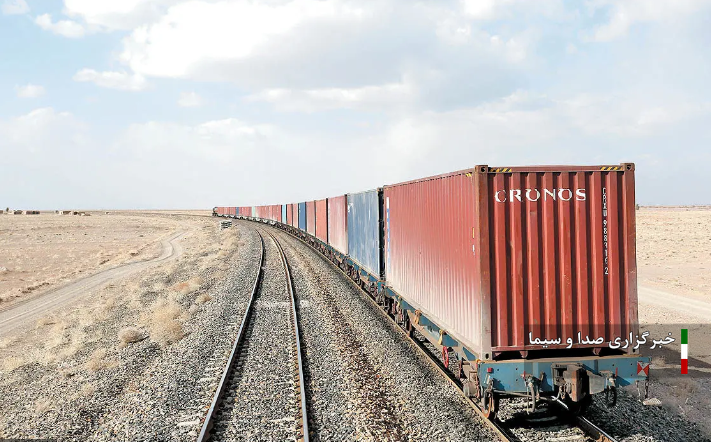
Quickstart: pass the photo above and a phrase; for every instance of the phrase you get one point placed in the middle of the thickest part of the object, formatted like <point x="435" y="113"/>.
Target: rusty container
<point x="289" y="211"/>
<point x="295" y="215"/>
<point x="311" y="217"/>
<point x="322" y="220"/>
<point x="261" y="212"/>
<point x="500" y="257"/>
<point x="245" y="211"/>
<point x="338" y="223"/>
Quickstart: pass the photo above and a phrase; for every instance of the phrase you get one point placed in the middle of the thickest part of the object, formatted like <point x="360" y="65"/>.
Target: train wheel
<point x="489" y="405"/>
<point x="445" y="356"/>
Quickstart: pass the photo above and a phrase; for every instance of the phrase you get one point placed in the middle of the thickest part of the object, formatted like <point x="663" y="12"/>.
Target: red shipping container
<point x="263" y="212"/>
<point x="338" y="223"/>
<point x="289" y="215"/>
<point x="311" y="217"/>
<point x="276" y="212"/>
<point x="322" y="220"/>
<point x="295" y="215"/>
<point x="500" y="256"/>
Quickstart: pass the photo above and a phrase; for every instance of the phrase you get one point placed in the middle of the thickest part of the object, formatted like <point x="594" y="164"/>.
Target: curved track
<point x="280" y="411"/>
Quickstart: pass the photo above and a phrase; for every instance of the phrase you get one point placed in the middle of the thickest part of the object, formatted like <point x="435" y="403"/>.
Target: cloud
<point x="190" y="99"/>
<point x="384" y="97"/>
<point x="66" y="28"/>
<point x="29" y="91"/>
<point x="117" y="14"/>
<point x="14" y="7"/>
<point x="624" y="14"/>
<point x="112" y="80"/>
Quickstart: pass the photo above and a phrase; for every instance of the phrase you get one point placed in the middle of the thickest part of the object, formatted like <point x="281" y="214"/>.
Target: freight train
<point x="522" y="277"/>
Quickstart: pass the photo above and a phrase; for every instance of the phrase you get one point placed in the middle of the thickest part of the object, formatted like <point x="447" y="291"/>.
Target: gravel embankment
<point x="141" y="391"/>
<point x="260" y="402"/>
<point x="366" y="381"/>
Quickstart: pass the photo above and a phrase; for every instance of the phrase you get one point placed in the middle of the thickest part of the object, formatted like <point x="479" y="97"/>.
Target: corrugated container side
<point x="302" y="216"/>
<point x="284" y="215"/>
<point x="289" y="211"/>
<point x="295" y="215"/>
<point x="337" y="227"/>
<point x="253" y="213"/>
<point x="259" y="210"/>
<point x="562" y="254"/>
<point x="497" y="254"/>
<point x="311" y="217"/>
<point x="429" y="255"/>
<point x="322" y="220"/>
<point x="363" y="231"/>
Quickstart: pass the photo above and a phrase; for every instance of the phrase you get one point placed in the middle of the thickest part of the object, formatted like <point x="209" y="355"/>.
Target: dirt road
<point x="681" y="304"/>
<point x="30" y="311"/>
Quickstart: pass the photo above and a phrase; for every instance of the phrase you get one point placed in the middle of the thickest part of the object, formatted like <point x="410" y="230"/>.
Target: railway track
<point x="552" y="427"/>
<point x="261" y="394"/>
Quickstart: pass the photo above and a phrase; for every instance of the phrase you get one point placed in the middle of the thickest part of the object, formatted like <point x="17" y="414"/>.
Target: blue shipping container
<point x="283" y="213"/>
<point x="302" y="216"/>
<point x="363" y="232"/>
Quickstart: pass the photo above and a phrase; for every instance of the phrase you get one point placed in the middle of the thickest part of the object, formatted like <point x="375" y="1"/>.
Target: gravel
<point x="366" y="381"/>
<point x="146" y="392"/>
<point x="260" y="401"/>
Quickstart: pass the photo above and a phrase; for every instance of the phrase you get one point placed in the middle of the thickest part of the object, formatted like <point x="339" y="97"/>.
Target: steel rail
<point x="297" y="335"/>
<point x="590" y="429"/>
<point x="205" y="432"/>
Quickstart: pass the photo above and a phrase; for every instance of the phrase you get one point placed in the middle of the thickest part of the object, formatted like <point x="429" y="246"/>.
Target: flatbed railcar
<point x="521" y="276"/>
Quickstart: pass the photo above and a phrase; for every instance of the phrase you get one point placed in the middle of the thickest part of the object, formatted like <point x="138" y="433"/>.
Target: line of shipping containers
<point x="311" y="218"/>
<point x="322" y="220"/>
<point x="496" y="254"/>
<point x="363" y="230"/>
<point x="284" y="214"/>
<point x="302" y="216"/>
<point x="338" y="223"/>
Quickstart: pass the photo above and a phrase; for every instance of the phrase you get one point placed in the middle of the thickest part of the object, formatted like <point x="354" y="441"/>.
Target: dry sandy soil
<point x="80" y="353"/>
<point x="674" y="273"/>
<point x="40" y="252"/>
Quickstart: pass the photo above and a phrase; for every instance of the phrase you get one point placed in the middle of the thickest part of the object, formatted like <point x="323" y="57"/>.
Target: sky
<point x="148" y="104"/>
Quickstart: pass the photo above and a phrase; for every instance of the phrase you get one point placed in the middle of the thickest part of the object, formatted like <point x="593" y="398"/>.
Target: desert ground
<point x="40" y="252"/>
<point x="674" y="274"/>
<point x="110" y="341"/>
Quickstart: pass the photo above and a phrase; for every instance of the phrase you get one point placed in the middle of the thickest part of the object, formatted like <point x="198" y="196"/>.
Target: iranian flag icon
<point x="684" y="351"/>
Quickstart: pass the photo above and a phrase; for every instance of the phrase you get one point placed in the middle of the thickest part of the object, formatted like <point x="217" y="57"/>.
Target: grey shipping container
<point x="363" y="232"/>
<point x="302" y="216"/>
